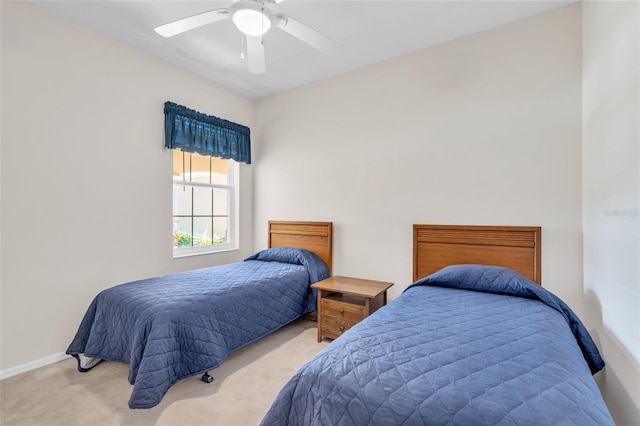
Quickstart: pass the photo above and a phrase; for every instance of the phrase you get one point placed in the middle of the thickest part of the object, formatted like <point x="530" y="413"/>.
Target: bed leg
<point x="207" y="378"/>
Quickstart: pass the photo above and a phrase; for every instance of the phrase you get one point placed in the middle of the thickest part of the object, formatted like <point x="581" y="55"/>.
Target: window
<point x="204" y="199"/>
<point x="205" y="187"/>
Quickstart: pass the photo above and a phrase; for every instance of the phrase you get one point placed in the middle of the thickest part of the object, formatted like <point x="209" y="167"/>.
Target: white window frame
<point x="232" y="187"/>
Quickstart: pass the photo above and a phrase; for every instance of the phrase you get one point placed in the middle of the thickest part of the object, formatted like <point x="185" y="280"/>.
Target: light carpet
<point x="241" y="393"/>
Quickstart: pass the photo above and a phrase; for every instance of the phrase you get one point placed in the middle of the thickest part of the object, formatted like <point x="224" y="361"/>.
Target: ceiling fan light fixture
<point x="251" y="19"/>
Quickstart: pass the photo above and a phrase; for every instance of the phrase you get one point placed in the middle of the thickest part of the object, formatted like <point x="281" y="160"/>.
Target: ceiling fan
<point x="253" y="18"/>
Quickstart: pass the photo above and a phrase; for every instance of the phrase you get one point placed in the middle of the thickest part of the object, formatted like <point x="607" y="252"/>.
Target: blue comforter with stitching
<point x="172" y="327"/>
<point x="469" y="345"/>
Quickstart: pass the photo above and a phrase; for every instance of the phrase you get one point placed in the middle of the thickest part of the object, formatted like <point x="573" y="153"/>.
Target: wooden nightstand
<point x="344" y="301"/>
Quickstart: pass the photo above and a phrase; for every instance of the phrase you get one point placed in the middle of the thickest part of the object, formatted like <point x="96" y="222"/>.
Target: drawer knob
<point x="341" y="311"/>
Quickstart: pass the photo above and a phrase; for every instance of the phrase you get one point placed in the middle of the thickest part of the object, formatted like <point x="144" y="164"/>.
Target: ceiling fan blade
<point x="192" y="22"/>
<point x="305" y="33"/>
<point x="255" y="55"/>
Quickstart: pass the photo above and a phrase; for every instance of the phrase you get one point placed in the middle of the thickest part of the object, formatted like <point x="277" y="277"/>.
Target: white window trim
<point x="232" y="226"/>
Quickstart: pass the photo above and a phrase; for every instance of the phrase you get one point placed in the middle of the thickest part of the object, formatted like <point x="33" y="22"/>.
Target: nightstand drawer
<point x="343" y="307"/>
<point x="333" y="327"/>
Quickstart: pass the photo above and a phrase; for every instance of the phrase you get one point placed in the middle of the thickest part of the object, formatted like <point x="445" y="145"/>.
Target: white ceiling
<point x="368" y="31"/>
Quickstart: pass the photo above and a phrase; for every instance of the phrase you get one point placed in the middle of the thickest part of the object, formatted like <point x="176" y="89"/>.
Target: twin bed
<point x="179" y="325"/>
<point x="474" y="340"/>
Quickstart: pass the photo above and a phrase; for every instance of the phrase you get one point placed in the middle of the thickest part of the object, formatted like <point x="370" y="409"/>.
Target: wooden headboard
<point x="515" y="247"/>
<point x="313" y="236"/>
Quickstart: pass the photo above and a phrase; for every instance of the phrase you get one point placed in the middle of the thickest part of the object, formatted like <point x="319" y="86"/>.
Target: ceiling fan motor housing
<point x="251" y="17"/>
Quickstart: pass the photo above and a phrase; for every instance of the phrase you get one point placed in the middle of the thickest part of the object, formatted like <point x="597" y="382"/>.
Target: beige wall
<point x="482" y="130"/>
<point x="611" y="186"/>
<point x="487" y="129"/>
<point x="86" y="183"/>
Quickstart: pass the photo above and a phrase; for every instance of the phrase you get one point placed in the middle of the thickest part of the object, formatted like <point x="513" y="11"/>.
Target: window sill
<point x="201" y="253"/>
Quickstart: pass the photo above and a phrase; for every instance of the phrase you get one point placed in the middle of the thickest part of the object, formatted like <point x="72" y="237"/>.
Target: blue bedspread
<point x="468" y="345"/>
<point x="179" y="325"/>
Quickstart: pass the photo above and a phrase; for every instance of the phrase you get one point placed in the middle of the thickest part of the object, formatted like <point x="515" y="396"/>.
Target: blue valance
<point x="192" y="131"/>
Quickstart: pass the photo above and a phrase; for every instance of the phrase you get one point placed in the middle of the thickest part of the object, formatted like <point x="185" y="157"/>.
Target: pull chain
<point x="243" y="40"/>
<point x="262" y="24"/>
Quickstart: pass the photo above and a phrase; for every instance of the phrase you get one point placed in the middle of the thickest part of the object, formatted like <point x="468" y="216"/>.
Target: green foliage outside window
<point x="184" y="239"/>
<point x="181" y="239"/>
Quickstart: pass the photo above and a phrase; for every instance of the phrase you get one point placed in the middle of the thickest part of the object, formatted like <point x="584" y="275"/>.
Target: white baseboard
<point x="14" y="371"/>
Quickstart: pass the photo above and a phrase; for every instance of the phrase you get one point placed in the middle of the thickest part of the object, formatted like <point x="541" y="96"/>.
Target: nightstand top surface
<point x="356" y="286"/>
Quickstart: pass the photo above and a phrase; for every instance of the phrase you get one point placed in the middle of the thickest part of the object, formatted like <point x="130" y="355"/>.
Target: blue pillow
<point x="280" y="254"/>
<point x="490" y="279"/>
<point x="296" y="256"/>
